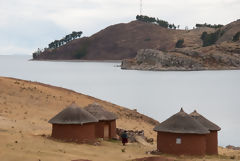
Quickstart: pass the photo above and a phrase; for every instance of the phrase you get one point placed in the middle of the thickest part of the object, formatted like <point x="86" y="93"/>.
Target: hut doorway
<point x="106" y="131"/>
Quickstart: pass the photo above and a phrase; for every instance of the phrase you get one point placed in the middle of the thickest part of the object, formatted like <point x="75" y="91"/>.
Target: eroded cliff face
<point x="217" y="57"/>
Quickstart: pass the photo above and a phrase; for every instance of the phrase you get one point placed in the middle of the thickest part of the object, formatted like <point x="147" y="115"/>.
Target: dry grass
<point x="26" y="107"/>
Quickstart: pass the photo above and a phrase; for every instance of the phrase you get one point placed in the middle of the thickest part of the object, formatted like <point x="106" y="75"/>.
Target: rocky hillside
<point x="122" y="41"/>
<point x="229" y="31"/>
<point x="217" y="57"/>
<point x="224" y="54"/>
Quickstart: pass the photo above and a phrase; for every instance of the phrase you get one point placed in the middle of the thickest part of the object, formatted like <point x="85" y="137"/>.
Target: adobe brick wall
<point x="100" y="129"/>
<point x="212" y="143"/>
<point x="75" y="133"/>
<point x="191" y="144"/>
<point x="113" y="129"/>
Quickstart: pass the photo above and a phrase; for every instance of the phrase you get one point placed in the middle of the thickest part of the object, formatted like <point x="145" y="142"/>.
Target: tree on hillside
<point x="236" y="37"/>
<point x="162" y="23"/>
<point x="57" y="43"/>
<point x="157" y="21"/>
<point x="179" y="43"/>
<point x="210" y="39"/>
<point x="209" y="25"/>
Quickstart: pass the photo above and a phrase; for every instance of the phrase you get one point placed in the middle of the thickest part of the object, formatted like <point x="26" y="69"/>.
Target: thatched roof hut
<point x="212" y="137"/>
<point x="205" y="122"/>
<point x="74" y="124"/>
<point x="107" y="121"/>
<point x="181" y="122"/>
<point x="187" y="134"/>
<point x="100" y="113"/>
<point x="73" y="115"/>
<point x="181" y="134"/>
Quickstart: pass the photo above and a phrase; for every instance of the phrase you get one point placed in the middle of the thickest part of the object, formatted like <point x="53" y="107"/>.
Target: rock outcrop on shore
<point x="217" y="57"/>
<point x="161" y="51"/>
<point x="220" y="52"/>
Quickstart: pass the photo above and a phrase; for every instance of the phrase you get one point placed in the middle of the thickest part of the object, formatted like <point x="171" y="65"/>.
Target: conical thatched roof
<point x="181" y="122"/>
<point x="100" y="113"/>
<point x="73" y="115"/>
<point x="205" y="122"/>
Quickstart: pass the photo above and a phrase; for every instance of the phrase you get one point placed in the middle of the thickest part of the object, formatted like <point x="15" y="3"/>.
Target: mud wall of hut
<point x="113" y="129"/>
<point x="190" y="144"/>
<point x="212" y="143"/>
<point x="76" y="133"/>
<point x="100" y="129"/>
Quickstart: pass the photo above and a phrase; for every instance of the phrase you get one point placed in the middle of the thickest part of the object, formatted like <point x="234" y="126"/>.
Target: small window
<point x="178" y="141"/>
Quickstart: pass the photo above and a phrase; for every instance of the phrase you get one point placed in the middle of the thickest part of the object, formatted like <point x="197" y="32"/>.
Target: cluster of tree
<point x="57" y="43"/>
<point x="180" y="43"/>
<point x="209" y="25"/>
<point x="236" y="37"/>
<point x="210" y="39"/>
<point x="35" y="55"/>
<point x="156" y="21"/>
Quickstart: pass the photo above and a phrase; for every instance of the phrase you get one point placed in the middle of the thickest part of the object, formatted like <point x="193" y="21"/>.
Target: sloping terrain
<point x="229" y="31"/>
<point x="223" y="55"/>
<point x="122" y="41"/>
<point x="26" y="107"/>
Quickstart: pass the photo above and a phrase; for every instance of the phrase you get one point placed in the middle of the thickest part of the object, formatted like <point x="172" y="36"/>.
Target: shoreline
<point x="76" y="60"/>
<point x="181" y="70"/>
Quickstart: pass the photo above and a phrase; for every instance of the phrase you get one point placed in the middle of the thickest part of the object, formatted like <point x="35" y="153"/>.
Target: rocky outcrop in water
<point x="203" y="58"/>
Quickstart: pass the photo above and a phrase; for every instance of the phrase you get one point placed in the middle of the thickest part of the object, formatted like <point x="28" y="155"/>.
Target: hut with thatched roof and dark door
<point x="181" y="134"/>
<point x="74" y="124"/>
<point x="212" y="137"/>
<point x="106" y="127"/>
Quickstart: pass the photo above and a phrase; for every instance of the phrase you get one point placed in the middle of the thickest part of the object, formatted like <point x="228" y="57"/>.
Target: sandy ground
<point x="26" y="107"/>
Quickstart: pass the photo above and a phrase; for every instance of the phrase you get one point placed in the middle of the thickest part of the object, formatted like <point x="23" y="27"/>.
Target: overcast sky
<point x="26" y="25"/>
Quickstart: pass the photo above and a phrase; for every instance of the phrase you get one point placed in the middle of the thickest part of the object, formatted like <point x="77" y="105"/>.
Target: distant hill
<point x="220" y="51"/>
<point x="123" y="41"/>
<point x="229" y="31"/>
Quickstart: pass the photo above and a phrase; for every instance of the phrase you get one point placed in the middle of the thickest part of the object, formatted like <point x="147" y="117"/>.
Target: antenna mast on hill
<point x="141" y="7"/>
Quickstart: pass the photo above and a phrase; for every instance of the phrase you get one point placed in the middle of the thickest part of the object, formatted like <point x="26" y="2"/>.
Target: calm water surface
<point x="215" y="94"/>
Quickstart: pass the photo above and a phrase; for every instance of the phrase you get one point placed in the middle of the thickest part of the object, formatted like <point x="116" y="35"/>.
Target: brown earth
<point x="223" y="56"/>
<point x="26" y="107"/>
<point x="123" y="40"/>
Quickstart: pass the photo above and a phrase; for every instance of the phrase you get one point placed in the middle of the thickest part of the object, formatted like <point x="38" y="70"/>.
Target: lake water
<point x="214" y="94"/>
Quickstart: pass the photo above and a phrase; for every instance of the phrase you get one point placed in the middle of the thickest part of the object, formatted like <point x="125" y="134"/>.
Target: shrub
<point x="236" y="37"/>
<point x="153" y="20"/>
<point x="34" y="55"/>
<point x="179" y="43"/>
<point x="162" y="23"/>
<point x="209" y="25"/>
<point x="147" y="39"/>
<point x="82" y="51"/>
<point x="210" y="39"/>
